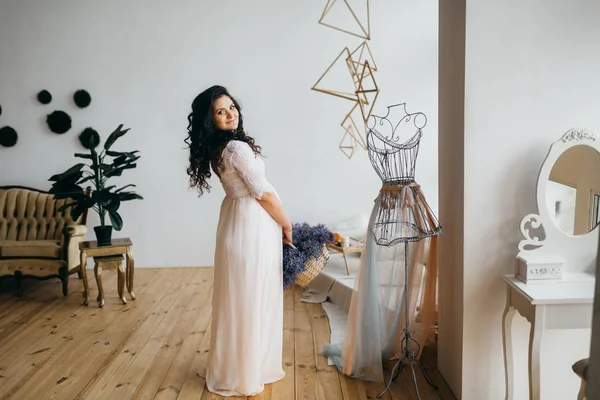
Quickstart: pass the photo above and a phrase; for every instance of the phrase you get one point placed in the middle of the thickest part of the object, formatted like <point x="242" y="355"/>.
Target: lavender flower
<point x="308" y="241"/>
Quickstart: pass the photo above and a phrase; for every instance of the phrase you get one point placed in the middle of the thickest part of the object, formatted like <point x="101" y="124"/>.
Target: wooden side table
<point x="120" y="246"/>
<point x="345" y="250"/>
<point x="108" y="263"/>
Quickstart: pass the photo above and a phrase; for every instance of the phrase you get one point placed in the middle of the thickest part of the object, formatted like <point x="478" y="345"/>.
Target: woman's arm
<point x="243" y="160"/>
<point x="270" y="202"/>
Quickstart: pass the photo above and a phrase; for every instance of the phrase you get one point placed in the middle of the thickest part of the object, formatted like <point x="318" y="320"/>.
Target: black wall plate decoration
<point x="59" y="122"/>
<point x="8" y="136"/>
<point x="44" y="97"/>
<point x="82" y="98"/>
<point x="89" y="138"/>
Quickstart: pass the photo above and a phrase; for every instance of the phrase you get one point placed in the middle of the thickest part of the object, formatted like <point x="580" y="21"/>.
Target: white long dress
<point x="247" y="318"/>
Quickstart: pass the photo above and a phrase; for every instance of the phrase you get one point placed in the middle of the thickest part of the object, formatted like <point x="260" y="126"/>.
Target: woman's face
<point x="225" y="114"/>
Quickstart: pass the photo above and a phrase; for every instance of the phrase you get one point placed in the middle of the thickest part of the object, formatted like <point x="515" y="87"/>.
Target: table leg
<point x="98" y="275"/>
<point x="346" y="261"/>
<point x="86" y="290"/>
<point x="535" y="344"/>
<point x="130" y="273"/>
<point x="121" y="278"/>
<point x="507" y="320"/>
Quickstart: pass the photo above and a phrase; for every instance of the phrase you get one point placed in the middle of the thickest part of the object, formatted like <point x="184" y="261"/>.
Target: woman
<point x="247" y="318"/>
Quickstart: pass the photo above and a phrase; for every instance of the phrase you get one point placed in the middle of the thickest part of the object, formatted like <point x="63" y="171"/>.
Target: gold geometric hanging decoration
<point x="368" y="90"/>
<point x="355" y="81"/>
<point x="354" y="126"/>
<point x="348" y="144"/>
<point x="348" y="19"/>
<point x="336" y="80"/>
<point x="358" y="57"/>
<point x="356" y="65"/>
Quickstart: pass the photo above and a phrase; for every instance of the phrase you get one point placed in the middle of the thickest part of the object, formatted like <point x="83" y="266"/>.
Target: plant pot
<point x="103" y="235"/>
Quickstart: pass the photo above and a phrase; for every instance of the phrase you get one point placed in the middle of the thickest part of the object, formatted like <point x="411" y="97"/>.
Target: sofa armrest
<point x="72" y="236"/>
<point x="76" y="230"/>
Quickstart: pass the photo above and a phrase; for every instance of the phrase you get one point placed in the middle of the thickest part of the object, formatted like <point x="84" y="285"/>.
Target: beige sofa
<point x="35" y="240"/>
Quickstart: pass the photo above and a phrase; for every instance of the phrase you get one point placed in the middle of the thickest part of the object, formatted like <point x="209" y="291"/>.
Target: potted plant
<point x="104" y="198"/>
<point x="303" y="262"/>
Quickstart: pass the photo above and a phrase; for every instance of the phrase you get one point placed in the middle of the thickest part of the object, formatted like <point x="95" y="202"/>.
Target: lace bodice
<point x="243" y="172"/>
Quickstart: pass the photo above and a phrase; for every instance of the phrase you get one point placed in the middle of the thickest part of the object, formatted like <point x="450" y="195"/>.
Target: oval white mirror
<point x="573" y="190"/>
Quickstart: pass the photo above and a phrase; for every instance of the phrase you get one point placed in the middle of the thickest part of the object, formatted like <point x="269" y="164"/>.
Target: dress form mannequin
<point x="393" y="280"/>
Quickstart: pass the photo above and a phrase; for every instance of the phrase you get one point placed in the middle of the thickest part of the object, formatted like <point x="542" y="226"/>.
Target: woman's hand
<point x="270" y="202"/>
<point x="287" y="235"/>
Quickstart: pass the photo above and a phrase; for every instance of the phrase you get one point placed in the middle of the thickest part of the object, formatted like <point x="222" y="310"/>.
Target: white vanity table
<point x="553" y="294"/>
<point x="565" y="304"/>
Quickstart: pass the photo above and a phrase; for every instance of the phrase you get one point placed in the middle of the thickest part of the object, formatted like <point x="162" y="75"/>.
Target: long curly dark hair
<point x="206" y="142"/>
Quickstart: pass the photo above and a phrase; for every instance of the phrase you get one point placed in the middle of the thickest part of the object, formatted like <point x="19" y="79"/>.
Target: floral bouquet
<point x="308" y="242"/>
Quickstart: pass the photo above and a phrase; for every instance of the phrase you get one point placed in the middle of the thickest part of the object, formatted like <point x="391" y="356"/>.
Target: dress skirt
<point x="247" y="315"/>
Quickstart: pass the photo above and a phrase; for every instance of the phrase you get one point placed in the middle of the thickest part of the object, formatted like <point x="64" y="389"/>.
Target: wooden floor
<point x="53" y="347"/>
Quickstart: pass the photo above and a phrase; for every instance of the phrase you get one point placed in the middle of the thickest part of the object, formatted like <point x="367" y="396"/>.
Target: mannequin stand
<point x="407" y="351"/>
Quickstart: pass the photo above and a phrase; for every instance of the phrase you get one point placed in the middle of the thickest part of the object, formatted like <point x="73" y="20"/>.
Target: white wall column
<point x="514" y="76"/>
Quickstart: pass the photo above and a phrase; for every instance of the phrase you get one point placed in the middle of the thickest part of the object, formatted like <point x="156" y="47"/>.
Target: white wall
<point x="530" y="74"/>
<point x="143" y="62"/>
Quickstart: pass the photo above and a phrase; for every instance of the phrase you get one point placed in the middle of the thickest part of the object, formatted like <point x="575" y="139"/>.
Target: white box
<point x="537" y="268"/>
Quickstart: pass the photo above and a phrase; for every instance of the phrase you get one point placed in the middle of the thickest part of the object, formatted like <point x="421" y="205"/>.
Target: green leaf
<point x="95" y="161"/>
<point x="65" y="206"/>
<point x="119" y="162"/>
<point x="128" y="154"/>
<point x="114" y="204"/>
<point x="79" y="199"/>
<point x="116" y="134"/>
<point x="65" y="190"/>
<point x="101" y="197"/>
<point x="78" y="211"/>
<point x="114" y="172"/>
<point x="82" y="155"/>
<point x="133" y="159"/>
<point x="124" y="187"/>
<point x="87" y="178"/>
<point x="118" y="171"/>
<point x="62" y="196"/>
<point x="116" y="220"/>
<point x="69" y="180"/>
<point x="105" y="167"/>
<point x="75" y="170"/>
<point x="104" y="198"/>
<point x="126" y="196"/>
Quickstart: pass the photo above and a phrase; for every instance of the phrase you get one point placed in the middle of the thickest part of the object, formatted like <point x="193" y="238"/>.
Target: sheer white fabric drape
<point x="376" y="318"/>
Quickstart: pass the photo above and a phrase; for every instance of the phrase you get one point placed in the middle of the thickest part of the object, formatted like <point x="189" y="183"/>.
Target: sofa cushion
<point x="40" y="267"/>
<point x="30" y="248"/>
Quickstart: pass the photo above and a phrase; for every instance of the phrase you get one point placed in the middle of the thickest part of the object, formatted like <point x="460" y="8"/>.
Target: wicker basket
<point x="313" y="267"/>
